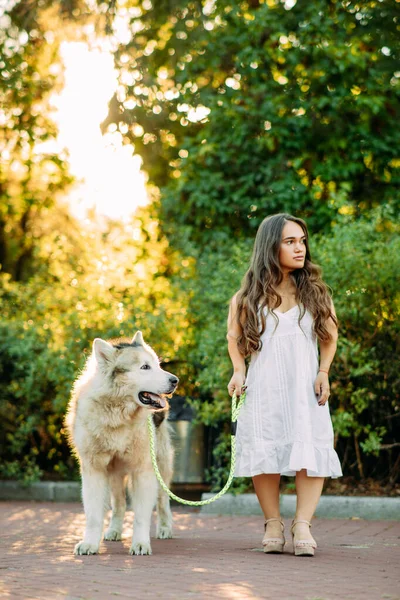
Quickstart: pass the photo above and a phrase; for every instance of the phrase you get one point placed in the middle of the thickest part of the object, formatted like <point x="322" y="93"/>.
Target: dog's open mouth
<point x="153" y="400"/>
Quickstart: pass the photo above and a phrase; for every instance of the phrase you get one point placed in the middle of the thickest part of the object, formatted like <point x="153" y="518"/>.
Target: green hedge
<point x="47" y="330"/>
<point x="49" y="322"/>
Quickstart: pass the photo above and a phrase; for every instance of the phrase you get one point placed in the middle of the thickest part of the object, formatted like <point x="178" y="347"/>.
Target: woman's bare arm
<point x="327" y="351"/>
<point x="238" y="362"/>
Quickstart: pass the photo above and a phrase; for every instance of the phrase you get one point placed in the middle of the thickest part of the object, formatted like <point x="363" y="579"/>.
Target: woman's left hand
<point x="321" y="387"/>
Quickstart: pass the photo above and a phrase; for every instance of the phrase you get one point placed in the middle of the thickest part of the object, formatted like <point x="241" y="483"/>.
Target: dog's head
<point x="133" y="369"/>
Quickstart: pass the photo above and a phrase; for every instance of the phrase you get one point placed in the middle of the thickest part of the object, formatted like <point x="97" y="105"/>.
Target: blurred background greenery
<point x="237" y="110"/>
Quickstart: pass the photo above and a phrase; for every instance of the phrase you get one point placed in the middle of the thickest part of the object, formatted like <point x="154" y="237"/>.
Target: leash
<point x="236" y="406"/>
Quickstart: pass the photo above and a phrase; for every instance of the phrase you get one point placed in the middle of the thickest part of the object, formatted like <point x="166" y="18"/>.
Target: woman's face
<point x="292" y="251"/>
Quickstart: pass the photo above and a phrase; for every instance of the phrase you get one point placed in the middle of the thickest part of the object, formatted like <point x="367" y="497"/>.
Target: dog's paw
<point x="112" y="535"/>
<point x="85" y="548"/>
<point x="164" y="532"/>
<point x="140" y="548"/>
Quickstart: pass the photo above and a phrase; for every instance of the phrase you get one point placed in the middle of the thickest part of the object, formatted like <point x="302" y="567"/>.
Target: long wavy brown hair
<point x="259" y="286"/>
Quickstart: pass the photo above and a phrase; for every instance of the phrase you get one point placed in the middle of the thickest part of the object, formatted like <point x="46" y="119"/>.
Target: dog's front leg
<point x="118" y="505"/>
<point x="94" y="495"/>
<point x="144" y="498"/>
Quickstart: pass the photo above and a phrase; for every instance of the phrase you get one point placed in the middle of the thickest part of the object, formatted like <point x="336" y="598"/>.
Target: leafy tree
<point x="244" y="109"/>
<point x="32" y="174"/>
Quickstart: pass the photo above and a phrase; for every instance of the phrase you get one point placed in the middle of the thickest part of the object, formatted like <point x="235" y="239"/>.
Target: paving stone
<point x="211" y="556"/>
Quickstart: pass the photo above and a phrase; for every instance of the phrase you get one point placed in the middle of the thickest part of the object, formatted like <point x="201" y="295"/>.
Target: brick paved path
<point x="210" y="557"/>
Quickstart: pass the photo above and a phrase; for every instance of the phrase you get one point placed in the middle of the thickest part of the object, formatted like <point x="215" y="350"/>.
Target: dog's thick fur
<point x="107" y="426"/>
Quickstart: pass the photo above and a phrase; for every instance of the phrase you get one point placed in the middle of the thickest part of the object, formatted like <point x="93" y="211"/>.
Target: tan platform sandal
<point x="303" y="547"/>
<point x="273" y="545"/>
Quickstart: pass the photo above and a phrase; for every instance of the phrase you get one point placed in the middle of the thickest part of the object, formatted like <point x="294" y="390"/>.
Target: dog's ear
<point x="103" y="351"/>
<point x="137" y="339"/>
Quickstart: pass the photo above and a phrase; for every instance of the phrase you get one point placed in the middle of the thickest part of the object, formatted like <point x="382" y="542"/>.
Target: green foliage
<point x="31" y="424"/>
<point x="217" y="475"/>
<point x="361" y="262"/>
<point x="117" y="283"/>
<point x="31" y="175"/>
<point x="244" y="109"/>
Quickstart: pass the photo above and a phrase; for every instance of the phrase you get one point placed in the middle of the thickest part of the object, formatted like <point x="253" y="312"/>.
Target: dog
<point x="106" y="422"/>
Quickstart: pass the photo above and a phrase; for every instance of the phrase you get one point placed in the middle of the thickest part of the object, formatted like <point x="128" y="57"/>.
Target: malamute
<point x="107" y="428"/>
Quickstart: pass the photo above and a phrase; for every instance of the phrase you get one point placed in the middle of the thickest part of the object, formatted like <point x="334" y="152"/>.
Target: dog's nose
<point x="174" y="380"/>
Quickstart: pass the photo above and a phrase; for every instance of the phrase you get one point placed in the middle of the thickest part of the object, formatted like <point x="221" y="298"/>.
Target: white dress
<point x="281" y="428"/>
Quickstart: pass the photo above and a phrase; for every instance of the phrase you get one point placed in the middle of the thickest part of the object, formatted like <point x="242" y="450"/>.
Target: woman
<point x="281" y="311"/>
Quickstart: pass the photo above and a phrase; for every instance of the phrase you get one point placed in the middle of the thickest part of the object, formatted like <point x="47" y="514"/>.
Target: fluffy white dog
<point x="106" y="423"/>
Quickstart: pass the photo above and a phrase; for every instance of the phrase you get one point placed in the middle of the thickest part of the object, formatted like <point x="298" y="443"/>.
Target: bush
<point x="48" y="326"/>
<point x="361" y="262"/>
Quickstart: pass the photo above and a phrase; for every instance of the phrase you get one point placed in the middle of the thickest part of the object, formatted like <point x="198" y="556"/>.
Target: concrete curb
<point x="41" y="491"/>
<point x="329" y="507"/>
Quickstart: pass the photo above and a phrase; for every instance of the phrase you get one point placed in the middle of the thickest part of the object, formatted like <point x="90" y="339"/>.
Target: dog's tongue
<point x="158" y="400"/>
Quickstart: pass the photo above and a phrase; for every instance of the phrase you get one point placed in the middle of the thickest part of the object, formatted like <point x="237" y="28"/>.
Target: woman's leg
<point x="267" y="490"/>
<point x="308" y="491"/>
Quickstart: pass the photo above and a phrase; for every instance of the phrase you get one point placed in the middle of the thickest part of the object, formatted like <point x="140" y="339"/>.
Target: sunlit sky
<point x="109" y="174"/>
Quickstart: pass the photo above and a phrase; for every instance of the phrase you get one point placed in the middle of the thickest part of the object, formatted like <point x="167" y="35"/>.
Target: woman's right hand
<point x="236" y="384"/>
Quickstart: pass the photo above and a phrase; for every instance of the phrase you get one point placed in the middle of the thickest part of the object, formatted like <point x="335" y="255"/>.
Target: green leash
<point x="236" y="406"/>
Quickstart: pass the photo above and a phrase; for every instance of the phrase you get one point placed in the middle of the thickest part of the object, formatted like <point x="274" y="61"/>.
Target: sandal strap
<point x="299" y="521"/>
<point x="274" y="519"/>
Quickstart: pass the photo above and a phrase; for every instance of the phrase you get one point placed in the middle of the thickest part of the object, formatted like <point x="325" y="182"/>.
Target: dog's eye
<point x="145" y="367"/>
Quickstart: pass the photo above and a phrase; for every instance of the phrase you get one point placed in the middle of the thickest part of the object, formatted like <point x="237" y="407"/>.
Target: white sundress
<point x="281" y="428"/>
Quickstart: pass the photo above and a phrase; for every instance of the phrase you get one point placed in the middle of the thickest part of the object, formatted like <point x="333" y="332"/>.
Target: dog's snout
<point x="173" y="380"/>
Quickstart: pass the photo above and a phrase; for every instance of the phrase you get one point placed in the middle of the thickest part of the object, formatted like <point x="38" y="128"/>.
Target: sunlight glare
<point x="109" y="176"/>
